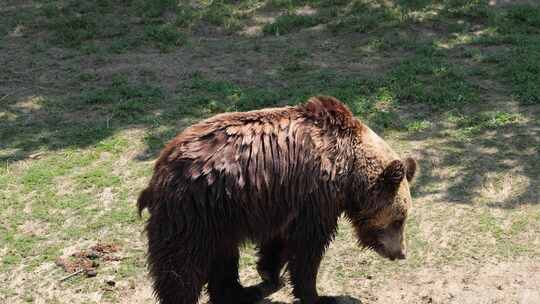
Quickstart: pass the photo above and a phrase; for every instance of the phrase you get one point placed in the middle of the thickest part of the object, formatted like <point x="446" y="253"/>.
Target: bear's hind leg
<point x="177" y="279"/>
<point x="179" y="271"/>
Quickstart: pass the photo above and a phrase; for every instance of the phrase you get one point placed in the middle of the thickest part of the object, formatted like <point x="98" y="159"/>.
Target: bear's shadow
<point x="340" y="300"/>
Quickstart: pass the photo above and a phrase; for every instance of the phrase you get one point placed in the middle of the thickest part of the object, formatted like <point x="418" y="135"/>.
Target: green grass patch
<point x="226" y="15"/>
<point x="73" y="30"/>
<point x="488" y="223"/>
<point x="364" y="17"/>
<point x="428" y="78"/>
<point x="221" y="14"/>
<point x="288" y="23"/>
<point x="79" y="201"/>
<point x="418" y="125"/>
<point x="369" y="99"/>
<point x="22" y="18"/>
<point x="519" y="19"/>
<point x="75" y="23"/>
<point x="123" y="44"/>
<point x="19" y="248"/>
<point x="153" y="10"/>
<point x="471" y="125"/>
<point x="475" y="9"/>
<point x="126" y="101"/>
<point x="518" y="26"/>
<point x="113" y="144"/>
<point x="100" y="177"/>
<point x="41" y="173"/>
<point x="522" y="68"/>
<point x="165" y="36"/>
<point x="505" y="245"/>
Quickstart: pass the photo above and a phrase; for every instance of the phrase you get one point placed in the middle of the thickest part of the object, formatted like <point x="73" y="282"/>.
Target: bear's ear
<point x="387" y="185"/>
<point x="393" y="174"/>
<point x="410" y="168"/>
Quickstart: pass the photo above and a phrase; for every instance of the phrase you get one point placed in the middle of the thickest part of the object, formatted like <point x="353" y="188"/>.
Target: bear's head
<point x="383" y="200"/>
<point x="377" y="200"/>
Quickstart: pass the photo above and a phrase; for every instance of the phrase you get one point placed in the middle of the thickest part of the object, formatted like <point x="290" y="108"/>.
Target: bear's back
<point x="269" y="160"/>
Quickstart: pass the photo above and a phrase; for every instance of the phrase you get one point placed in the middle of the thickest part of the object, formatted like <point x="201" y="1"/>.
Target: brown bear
<point x="280" y="178"/>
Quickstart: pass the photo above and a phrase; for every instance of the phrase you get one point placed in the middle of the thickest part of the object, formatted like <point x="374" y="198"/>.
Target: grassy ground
<point x="91" y="90"/>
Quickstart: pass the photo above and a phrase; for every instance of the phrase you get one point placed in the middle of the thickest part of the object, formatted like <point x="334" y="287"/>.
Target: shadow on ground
<point x="493" y="166"/>
<point x="339" y="300"/>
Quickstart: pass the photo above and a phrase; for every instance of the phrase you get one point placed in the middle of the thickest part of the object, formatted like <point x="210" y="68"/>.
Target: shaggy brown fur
<point x="280" y="178"/>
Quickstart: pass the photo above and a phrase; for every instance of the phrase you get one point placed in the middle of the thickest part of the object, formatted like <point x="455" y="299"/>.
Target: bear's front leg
<point x="303" y="270"/>
<point x="224" y="285"/>
<point x="272" y="257"/>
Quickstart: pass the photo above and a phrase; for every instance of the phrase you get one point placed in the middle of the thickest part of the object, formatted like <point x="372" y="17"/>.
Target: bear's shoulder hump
<point x="329" y="109"/>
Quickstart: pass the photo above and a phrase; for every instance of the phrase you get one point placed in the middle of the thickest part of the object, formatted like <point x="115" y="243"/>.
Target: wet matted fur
<point x="279" y="177"/>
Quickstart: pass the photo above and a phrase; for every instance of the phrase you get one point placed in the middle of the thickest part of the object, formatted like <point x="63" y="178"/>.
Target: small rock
<point x="91" y="273"/>
<point x="111" y="283"/>
<point x="60" y="261"/>
<point x="369" y="277"/>
<point x="18" y="31"/>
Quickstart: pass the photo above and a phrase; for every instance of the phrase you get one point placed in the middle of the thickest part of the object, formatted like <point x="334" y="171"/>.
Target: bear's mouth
<point x="381" y="250"/>
<point x="369" y="238"/>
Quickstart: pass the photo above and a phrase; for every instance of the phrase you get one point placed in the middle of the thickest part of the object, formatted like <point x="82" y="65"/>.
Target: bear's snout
<point x="398" y="256"/>
<point x="393" y="245"/>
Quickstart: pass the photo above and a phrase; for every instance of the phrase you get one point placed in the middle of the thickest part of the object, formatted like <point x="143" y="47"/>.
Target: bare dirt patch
<point x="508" y="282"/>
<point x="34" y="228"/>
